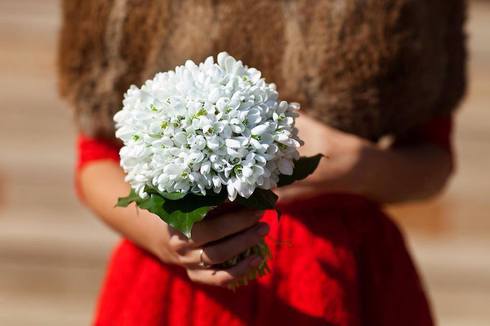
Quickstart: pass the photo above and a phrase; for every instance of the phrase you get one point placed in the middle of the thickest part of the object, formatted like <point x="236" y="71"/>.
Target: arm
<point x="102" y="183"/>
<point x="354" y="165"/>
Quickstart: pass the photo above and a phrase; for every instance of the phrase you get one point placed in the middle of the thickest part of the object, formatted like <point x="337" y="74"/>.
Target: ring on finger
<point x="202" y="263"/>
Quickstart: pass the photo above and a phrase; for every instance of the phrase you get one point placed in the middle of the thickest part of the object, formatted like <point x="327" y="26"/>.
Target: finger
<point x="223" y="277"/>
<point x="230" y="247"/>
<point x="221" y="226"/>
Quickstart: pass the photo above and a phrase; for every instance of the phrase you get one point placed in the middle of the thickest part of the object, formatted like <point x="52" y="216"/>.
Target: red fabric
<point x="89" y="150"/>
<point x="438" y="131"/>
<point x="337" y="260"/>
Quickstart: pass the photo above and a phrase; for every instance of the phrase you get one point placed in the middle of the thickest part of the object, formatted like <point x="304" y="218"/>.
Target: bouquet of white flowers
<point x="202" y="135"/>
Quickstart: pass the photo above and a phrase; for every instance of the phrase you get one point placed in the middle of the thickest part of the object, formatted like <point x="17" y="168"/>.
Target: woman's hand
<point x="216" y="240"/>
<point x="221" y="236"/>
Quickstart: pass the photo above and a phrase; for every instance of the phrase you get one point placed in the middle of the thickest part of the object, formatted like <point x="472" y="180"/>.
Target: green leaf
<point x="167" y="195"/>
<point x="181" y="214"/>
<point x="302" y="168"/>
<point x="173" y="195"/>
<point x="154" y="204"/>
<point x="125" y="201"/>
<point x="260" y="199"/>
<point x="184" y="220"/>
<point x="178" y="210"/>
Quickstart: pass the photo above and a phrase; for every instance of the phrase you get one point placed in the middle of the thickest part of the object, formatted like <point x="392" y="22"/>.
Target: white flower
<point x="204" y="127"/>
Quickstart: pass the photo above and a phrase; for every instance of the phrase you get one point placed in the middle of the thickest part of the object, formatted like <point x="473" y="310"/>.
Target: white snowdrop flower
<point x="207" y="127"/>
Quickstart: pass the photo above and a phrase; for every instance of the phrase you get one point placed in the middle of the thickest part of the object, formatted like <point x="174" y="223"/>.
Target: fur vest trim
<point x="371" y="68"/>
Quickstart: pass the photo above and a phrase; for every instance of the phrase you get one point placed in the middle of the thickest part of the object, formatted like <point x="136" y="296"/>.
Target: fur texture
<point x="371" y="67"/>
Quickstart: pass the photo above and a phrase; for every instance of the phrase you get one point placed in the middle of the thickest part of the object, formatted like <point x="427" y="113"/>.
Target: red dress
<point x="337" y="260"/>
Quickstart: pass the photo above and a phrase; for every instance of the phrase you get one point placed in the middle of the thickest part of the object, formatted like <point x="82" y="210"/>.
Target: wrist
<point x="154" y="236"/>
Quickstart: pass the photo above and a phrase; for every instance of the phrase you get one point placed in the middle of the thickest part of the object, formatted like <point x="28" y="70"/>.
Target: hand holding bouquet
<point x="203" y="135"/>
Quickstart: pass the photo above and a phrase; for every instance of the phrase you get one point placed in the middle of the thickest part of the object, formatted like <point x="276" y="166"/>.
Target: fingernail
<point x="255" y="262"/>
<point x="263" y="230"/>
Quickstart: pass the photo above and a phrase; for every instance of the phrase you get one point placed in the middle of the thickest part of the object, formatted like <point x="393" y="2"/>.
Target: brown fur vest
<point x="370" y="67"/>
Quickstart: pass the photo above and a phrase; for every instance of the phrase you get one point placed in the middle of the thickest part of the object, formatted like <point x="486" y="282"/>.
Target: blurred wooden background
<point x="53" y="252"/>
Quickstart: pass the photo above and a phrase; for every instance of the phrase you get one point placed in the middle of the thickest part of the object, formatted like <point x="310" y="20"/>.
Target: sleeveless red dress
<point x="337" y="260"/>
